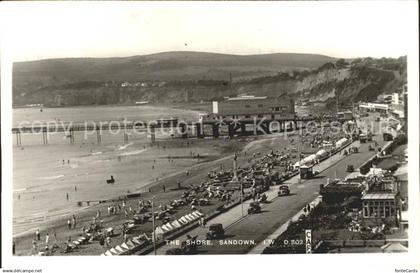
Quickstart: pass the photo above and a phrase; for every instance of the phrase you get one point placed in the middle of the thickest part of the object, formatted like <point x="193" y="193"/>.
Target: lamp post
<point x="153" y="225"/>
<point x="235" y="179"/>
<point x="299" y="159"/>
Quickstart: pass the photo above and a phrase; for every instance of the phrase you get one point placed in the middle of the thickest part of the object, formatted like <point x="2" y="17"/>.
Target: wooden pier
<point x="189" y="129"/>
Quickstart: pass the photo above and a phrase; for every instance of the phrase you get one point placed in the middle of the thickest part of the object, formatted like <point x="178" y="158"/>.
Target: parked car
<point x="283" y="190"/>
<point x="254" y="207"/>
<point x="350" y="168"/>
<point x="216" y="231"/>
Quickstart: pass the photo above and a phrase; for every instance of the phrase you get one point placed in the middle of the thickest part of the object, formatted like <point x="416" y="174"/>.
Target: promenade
<point x="240" y="227"/>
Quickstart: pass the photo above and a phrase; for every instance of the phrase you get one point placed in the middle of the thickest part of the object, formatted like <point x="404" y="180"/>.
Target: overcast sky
<point x="340" y="29"/>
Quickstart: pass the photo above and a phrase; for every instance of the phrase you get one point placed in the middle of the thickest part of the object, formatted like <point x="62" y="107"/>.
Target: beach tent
<point x="197" y="213"/>
<point x="190" y="219"/>
<point x="113" y="251"/>
<point x="102" y="254"/>
<point x="119" y="249"/>
<point x="183" y="220"/>
<point x="108" y="253"/>
<point x="176" y="224"/>
<point x="193" y="216"/>
<point x="137" y="241"/>
<point x="167" y="225"/>
<point x="165" y="229"/>
<point x="130" y="244"/>
<point x="159" y="232"/>
<point x="125" y="246"/>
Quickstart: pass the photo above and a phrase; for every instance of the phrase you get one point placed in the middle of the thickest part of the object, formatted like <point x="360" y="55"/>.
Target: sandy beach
<point x="51" y="180"/>
<point x="138" y="170"/>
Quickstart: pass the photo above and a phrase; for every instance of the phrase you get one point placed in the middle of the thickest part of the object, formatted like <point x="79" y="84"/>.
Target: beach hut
<point x="108" y="253"/>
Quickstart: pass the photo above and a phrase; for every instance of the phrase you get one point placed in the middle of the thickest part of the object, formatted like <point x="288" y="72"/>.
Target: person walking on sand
<point x="34" y="246"/>
<point x="74" y="221"/>
<point x="69" y="223"/>
<point x="164" y="188"/>
<point x="47" y="239"/>
<point x="75" y="188"/>
<point x="38" y="235"/>
<point x="67" y="196"/>
<point x="108" y="241"/>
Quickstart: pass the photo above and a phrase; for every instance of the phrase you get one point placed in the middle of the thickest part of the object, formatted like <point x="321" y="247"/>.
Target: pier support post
<point x="215" y="130"/>
<point x="184" y="131"/>
<point x="98" y="135"/>
<point x="44" y="137"/>
<point x="243" y="129"/>
<point x="199" y="129"/>
<point x="152" y="134"/>
<point x="18" y="139"/>
<point x="231" y="130"/>
<point x="125" y="135"/>
<point x="71" y="136"/>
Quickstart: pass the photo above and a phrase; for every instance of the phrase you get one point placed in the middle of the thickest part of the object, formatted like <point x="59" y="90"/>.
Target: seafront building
<point x="253" y="107"/>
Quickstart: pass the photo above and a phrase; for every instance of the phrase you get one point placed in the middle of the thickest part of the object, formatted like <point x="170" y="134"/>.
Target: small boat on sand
<point x="110" y="181"/>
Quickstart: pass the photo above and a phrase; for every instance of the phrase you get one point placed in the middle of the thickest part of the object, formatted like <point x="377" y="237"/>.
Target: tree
<point x="341" y="63"/>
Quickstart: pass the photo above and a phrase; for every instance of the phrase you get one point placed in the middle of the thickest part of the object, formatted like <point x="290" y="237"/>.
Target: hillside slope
<point x="193" y="77"/>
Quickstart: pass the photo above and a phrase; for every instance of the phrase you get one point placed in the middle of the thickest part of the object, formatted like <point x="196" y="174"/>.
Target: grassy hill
<point x="165" y="66"/>
<point x="171" y="77"/>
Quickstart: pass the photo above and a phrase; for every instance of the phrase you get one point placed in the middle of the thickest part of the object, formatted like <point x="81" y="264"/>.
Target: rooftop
<point x="379" y="196"/>
<point x="247" y="98"/>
